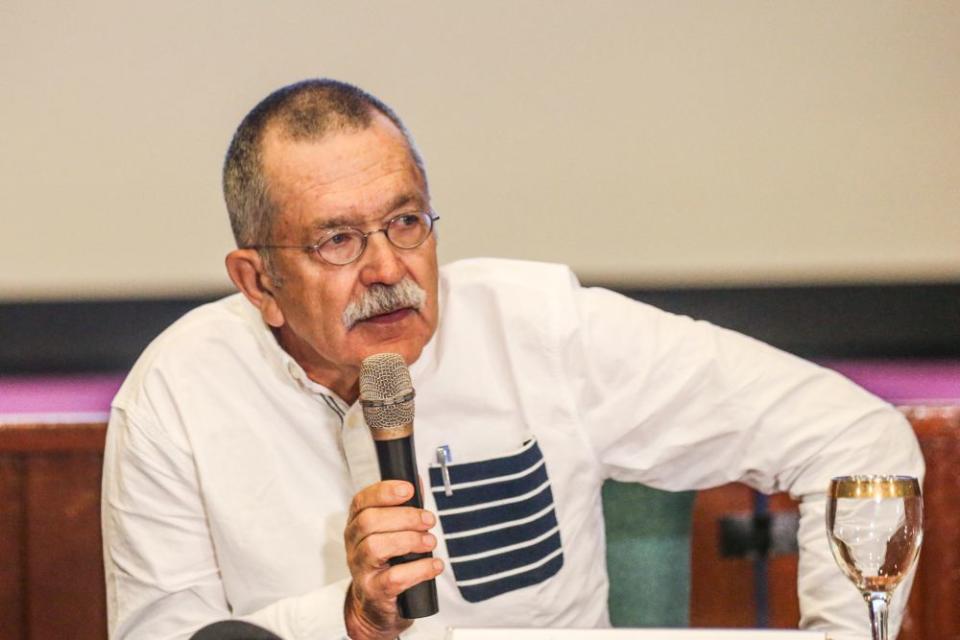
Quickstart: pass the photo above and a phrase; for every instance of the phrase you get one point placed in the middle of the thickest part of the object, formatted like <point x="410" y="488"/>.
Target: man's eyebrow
<point x="336" y="222"/>
<point x="347" y="220"/>
<point x="403" y="200"/>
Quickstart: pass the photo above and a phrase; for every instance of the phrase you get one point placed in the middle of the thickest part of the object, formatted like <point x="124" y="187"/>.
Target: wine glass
<point x="875" y="526"/>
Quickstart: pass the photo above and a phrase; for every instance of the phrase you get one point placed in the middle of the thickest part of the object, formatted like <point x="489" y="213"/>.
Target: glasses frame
<point x="430" y="216"/>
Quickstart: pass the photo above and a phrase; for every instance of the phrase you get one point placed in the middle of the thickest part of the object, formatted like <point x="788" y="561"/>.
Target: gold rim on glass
<point x="874" y="487"/>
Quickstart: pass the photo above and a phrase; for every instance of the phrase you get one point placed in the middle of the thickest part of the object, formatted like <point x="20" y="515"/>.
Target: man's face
<point x="360" y="179"/>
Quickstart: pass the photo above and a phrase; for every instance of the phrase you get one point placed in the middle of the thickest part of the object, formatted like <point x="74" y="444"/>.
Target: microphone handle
<point x="398" y="462"/>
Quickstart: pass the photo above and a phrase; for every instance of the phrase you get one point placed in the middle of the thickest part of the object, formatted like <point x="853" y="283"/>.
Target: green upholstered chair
<point x="648" y="555"/>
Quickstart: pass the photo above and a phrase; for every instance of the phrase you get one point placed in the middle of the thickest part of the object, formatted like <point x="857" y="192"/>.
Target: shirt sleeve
<point x="161" y="568"/>
<point x="680" y="404"/>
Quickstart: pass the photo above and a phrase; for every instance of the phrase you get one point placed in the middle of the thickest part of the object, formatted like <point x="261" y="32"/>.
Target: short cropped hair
<point x="306" y="110"/>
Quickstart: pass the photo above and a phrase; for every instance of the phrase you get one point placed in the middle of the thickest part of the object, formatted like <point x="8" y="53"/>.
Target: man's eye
<point x="338" y="238"/>
<point x="408" y="220"/>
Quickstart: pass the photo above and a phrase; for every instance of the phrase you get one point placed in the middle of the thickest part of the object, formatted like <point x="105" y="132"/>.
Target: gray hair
<point x="306" y="110"/>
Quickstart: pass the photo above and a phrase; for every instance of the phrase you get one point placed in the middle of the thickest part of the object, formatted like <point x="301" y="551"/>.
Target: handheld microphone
<point x="386" y="396"/>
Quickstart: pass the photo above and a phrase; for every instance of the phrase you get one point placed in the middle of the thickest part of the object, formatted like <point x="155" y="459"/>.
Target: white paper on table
<point x="632" y="634"/>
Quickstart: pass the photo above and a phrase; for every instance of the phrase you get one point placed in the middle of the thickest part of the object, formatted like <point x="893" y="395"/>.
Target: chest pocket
<point x="499" y="523"/>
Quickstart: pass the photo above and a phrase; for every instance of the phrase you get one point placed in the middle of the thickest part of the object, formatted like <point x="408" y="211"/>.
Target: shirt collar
<point x="278" y="358"/>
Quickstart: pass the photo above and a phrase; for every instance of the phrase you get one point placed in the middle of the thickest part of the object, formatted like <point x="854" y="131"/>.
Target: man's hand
<point x="377" y="530"/>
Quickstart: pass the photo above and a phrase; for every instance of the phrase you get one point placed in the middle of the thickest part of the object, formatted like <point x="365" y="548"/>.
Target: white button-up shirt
<point x="228" y="473"/>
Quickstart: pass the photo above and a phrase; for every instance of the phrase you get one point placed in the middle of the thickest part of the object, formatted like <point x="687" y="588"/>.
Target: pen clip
<point x="444" y="457"/>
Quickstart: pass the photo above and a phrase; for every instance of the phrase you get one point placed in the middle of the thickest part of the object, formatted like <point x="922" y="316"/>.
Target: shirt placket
<point x="359" y="449"/>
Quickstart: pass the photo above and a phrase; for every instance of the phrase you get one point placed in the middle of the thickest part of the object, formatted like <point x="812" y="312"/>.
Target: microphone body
<point x="398" y="462"/>
<point x="386" y="395"/>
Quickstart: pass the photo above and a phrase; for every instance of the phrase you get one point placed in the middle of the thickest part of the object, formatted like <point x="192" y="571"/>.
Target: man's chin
<point x="405" y="335"/>
<point x="408" y="349"/>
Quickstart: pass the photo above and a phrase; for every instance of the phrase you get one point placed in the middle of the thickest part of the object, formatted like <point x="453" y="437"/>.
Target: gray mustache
<point x="382" y="298"/>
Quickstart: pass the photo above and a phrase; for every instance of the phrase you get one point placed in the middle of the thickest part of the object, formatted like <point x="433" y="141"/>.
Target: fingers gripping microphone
<point x="386" y="395"/>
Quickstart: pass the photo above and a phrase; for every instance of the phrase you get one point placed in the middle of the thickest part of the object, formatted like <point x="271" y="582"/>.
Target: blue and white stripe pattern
<point x="499" y="523"/>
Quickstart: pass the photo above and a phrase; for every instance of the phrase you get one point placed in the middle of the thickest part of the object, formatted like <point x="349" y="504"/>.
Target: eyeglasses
<point x="345" y="245"/>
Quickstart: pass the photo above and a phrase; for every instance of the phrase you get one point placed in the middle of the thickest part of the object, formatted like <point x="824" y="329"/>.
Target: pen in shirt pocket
<point x="444" y="458"/>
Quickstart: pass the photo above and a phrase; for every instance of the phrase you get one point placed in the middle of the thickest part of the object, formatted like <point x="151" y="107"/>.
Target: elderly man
<point x="240" y="480"/>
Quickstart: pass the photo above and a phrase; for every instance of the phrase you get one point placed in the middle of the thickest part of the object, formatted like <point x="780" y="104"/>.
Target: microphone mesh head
<point x="384" y="386"/>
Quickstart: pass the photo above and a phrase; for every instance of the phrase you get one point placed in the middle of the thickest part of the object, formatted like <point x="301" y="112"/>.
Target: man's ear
<point x="249" y="275"/>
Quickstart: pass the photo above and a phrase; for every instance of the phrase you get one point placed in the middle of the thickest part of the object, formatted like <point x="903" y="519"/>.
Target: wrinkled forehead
<point x="353" y="172"/>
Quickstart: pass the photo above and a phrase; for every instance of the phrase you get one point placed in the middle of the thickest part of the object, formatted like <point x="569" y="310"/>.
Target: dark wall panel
<point x="94" y="335"/>
<point x="895" y="320"/>
<point x="902" y="320"/>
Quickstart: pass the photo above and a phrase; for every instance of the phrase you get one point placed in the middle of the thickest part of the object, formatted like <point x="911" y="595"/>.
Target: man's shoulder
<point x="506" y="274"/>
<point x="210" y="336"/>
<point x="484" y="293"/>
<point x="215" y="321"/>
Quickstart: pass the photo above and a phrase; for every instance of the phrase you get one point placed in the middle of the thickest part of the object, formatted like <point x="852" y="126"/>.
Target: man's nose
<point x="380" y="262"/>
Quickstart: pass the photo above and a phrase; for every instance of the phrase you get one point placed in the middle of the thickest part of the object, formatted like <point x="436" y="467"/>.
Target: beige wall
<point x="646" y="142"/>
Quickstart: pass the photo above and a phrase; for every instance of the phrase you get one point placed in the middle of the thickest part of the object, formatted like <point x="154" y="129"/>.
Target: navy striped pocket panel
<point x="499" y="523"/>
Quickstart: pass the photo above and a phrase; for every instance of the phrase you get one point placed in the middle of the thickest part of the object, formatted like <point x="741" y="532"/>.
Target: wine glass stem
<point x="878" y="602"/>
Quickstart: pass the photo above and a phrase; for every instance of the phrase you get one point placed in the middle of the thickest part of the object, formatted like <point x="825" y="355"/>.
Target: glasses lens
<point x="342" y="247"/>
<point x="409" y="230"/>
